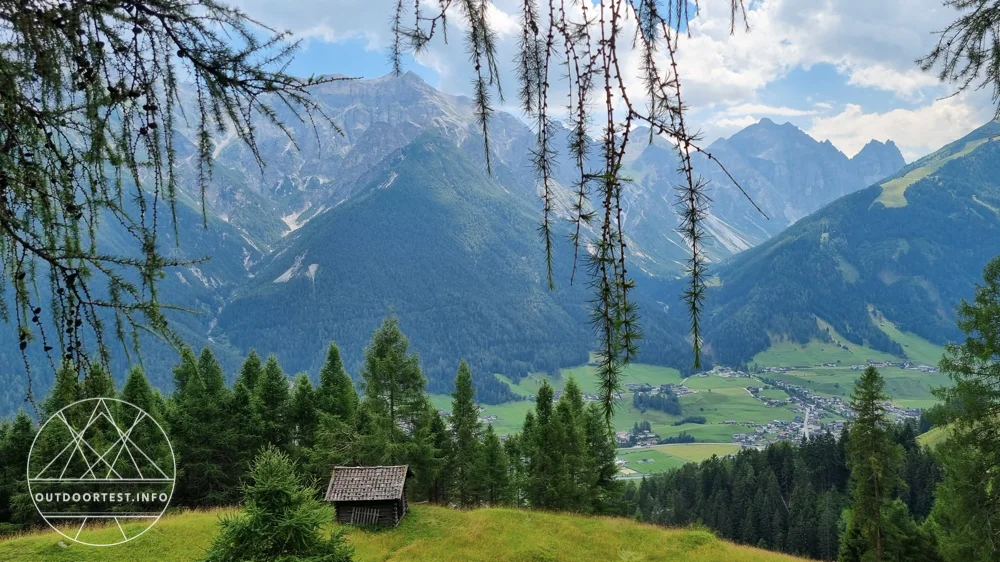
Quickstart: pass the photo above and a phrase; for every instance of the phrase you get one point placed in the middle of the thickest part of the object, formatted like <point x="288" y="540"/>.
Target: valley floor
<point x="429" y="533"/>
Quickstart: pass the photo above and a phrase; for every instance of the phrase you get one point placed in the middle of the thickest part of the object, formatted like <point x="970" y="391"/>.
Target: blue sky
<point x="841" y="70"/>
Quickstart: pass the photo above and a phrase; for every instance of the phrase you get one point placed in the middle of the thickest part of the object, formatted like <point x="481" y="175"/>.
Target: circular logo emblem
<point x="101" y="471"/>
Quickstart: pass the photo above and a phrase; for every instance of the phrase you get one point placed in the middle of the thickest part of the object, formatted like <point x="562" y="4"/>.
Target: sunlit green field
<point x="427" y="533"/>
<point x="660" y="458"/>
<point x="935" y="436"/>
<point x="816" y="352"/>
<point x="907" y="388"/>
<point x="647" y="460"/>
<point x="918" y="350"/>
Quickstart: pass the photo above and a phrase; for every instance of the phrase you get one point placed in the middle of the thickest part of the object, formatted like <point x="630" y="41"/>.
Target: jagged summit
<point x="877" y="160"/>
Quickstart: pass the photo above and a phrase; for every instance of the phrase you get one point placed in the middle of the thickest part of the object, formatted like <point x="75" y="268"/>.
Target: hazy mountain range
<point x="396" y="212"/>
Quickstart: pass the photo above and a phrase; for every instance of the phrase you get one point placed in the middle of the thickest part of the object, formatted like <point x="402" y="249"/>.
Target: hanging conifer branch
<point x="585" y="42"/>
<point x="968" y="50"/>
<point x="89" y="91"/>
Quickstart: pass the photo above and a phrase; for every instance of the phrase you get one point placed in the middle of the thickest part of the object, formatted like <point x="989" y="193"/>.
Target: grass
<point x="907" y="388"/>
<point x="935" y="436"/>
<point x="430" y="533"/>
<point x="648" y="460"/>
<point x="661" y="458"/>
<point x="697" y="452"/>
<point x="917" y="349"/>
<point x="784" y="353"/>
<point x="894" y="191"/>
<point x="586" y="378"/>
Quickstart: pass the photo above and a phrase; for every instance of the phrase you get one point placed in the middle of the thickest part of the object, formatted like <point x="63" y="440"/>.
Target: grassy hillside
<point x="430" y="534"/>
<point x="934" y="437"/>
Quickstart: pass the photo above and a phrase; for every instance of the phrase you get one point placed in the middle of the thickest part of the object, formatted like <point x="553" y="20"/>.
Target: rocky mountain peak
<point x="878" y="160"/>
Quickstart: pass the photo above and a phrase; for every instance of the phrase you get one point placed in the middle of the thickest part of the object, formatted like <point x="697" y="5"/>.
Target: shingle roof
<point x="364" y="483"/>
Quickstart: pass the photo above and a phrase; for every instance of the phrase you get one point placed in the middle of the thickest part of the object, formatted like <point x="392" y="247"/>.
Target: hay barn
<point x="369" y="495"/>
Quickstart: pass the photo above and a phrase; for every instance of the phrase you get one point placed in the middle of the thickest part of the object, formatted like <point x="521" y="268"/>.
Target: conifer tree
<point x="571" y="484"/>
<point x="15" y="443"/>
<point x="65" y="390"/>
<point x="91" y="112"/>
<point x="184" y="372"/>
<point x="545" y="463"/>
<point x="602" y="453"/>
<point x="303" y="412"/>
<point x="281" y="520"/>
<point x="444" y="481"/>
<point x="827" y="530"/>
<point x="335" y="394"/>
<point x="496" y="477"/>
<point x="801" y="520"/>
<point x="467" y="428"/>
<point x="250" y="371"/>
<point x="248" y="440"/>
<point x="202" y="435"/>
<point x="139" y="392"/>
<point x="967" y="506"/>
<point x="270" y="404"/>
<point x="394" y="383"/>
<point x="518" y="450"/>
<point x="98" y="382"/>
<point x="211" y="374"/>
<point x="874" y="460"/>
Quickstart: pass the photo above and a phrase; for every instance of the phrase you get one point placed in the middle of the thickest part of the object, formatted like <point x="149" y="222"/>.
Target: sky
<point x="841" y="70"/>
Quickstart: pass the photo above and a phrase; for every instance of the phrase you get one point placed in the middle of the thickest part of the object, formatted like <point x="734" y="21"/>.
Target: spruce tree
<point x="281" y="519"/>
<point x="65" y="390"/>
<point x="302" y="416"/>
<point x="98" y="382"/>
<point x="967" y="506"/>
<point x="394" y="383"/>
<point x="250" y="371"/>
<point x="802" y="520"/>
<point x="248" y="440"/>
<point x="211" y="374"/>
<point x="15" y="443"/>
<point x="335" y="394"/>
<point x="874" y="460"/>
<point x="466" y="427"/>
<point x="545" y="464"/>
<point x="444" y="443"/>
<point x="202" y="436"/>
<point x="270" y="405"/>
<point x="496" y="476"/>
<point x="602" y="453"/>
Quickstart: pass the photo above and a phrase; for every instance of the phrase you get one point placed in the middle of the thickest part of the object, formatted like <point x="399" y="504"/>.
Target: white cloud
<point x="872" y="43"/>
<point x="762" y="109"/>
<point x="916" y="132"/>
<point x="907" y="84"/>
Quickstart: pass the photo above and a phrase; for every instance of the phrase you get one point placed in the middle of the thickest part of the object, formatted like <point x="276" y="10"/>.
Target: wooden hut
<point x="369" y="495"/>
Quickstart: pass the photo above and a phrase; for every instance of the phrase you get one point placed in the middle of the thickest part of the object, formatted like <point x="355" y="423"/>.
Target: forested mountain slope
<point x="910" y="247"/>
<point x="435" y="241"/>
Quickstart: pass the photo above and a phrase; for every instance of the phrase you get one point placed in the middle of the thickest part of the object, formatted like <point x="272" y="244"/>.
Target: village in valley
<point x="666" y="419"/>
<point x="813" y="413"/>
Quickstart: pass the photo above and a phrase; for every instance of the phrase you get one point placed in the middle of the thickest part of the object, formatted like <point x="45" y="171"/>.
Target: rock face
<point x="878" y="160"/>
<point x="785" y="171"/>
